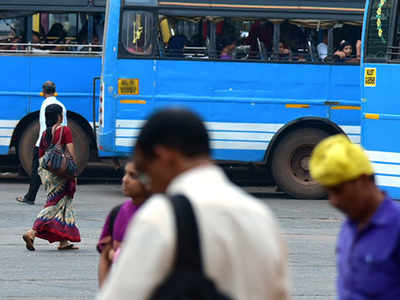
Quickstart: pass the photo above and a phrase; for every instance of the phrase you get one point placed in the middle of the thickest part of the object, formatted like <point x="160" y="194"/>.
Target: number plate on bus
<point x="128" y="86"/>
<point x="370" y="77"/>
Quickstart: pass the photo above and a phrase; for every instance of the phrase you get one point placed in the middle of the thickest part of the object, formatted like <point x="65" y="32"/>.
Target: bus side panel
<point x="380" y="126"/>
<point x="345" y="83"/>
<point x="243" y="110"/>
<point x="345" y="89"/>
<point x="132" y="109"/>
<point x="14" y="96"/>
<point x="73" y="77"/>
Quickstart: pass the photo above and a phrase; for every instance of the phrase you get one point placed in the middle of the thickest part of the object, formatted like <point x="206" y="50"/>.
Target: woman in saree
<point x="56" y="221"/>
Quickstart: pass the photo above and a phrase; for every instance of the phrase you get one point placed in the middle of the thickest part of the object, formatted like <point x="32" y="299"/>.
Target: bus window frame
<point x="276" y="40"/>
<point x="393" y="30"/>
<point x="392" y="24"/>
<point x="122" y="53"/>
<point x="29" y="28"/>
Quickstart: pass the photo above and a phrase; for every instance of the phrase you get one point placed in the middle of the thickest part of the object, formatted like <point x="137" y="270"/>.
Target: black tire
<point x="31" y="133"/>
<point x="290" y="163"/>
<point x="25" y="146"/>
<point x="81" y="145"/>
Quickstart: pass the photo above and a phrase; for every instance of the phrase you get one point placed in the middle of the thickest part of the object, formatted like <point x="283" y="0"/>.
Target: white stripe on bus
<point x="381" y="156"/>
<point x="129" y="123"/>
<point x="125" y="142"/>
<point x="243" y="136"/>
<point x="127" y="132"/>
<point x="356" y="139"/>
<point x="234" y="126"/>
<point x="266" y="127"/>
<point x="5" y="141"/>
<point x="392" y="181"/>
<point x="387" y="169"/>
<point x="351" y="129"/>
<point x="228" y="145"/>
<point x="8" y="123"/>
<point x="6" y="132"/>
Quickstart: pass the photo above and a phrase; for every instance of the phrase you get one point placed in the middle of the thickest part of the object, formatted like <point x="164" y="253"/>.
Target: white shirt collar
<point x="203" y="173"/>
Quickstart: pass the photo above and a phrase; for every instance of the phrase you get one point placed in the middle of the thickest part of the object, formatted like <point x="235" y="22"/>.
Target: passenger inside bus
<point x="284" y="51"/>
<point x="344" y="54"/>
<point x="176" y="44"/>
<point x="36" y="41"/>
<point x="57" y="35"/>
<point x="322" y="47"/>
<point x="259" y="32"/>
<point x="227" y="52"/>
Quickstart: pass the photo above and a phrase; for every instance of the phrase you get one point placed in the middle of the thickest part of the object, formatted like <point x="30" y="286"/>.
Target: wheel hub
<point x="299" y="164"/>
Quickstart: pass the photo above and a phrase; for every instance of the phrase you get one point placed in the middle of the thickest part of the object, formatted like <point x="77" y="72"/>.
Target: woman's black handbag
<point x="187" y="280"/>
<point x="58" y="160"/>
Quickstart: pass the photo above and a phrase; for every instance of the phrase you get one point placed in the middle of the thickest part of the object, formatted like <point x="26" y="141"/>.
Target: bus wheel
<point x="290" y="163"/>
<point x="31" y="133"/>
<point x="25" y="145"/>
<point x="81" y="144"/>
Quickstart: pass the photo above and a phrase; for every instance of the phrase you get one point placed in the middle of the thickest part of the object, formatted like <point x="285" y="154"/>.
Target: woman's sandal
<point x="68" y="247"/>
<point x="28" y="242"/>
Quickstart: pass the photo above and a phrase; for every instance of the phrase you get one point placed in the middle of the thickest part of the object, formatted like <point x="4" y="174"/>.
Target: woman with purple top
<point x="118" y="219"/>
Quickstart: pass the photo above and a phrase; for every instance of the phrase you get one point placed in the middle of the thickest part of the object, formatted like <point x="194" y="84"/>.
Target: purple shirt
<point x="121" y="221"/>
<point x="369" y="261"/>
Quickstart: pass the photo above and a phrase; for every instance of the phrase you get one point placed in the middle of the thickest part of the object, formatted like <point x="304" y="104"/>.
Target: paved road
<point x="310" y="228"/>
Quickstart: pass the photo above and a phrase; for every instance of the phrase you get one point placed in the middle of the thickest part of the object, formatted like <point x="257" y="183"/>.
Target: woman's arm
<point x="104" y="264"/>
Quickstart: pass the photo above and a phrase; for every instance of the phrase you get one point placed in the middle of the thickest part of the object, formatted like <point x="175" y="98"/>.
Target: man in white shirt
<point x="243" y="251"/>
<point x="322" y="47"/>
<point x="48" y="90"/>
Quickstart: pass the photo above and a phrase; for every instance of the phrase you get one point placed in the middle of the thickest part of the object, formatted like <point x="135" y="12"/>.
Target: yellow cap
<point x="336" y="160"/>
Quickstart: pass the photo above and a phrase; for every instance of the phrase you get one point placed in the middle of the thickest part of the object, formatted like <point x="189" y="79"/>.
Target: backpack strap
<point x="188" y="251"/>
<point x="113" y="215"/>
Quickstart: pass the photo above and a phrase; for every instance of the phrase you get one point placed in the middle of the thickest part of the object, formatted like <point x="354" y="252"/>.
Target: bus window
<point x="377" y="34"/>
<point x="346" y="43"/>
<point x="12" y="32"/>
<point x="394" y="49"/>
<point x="184" y="37"/>
<point x="243" y="39"/>
<point x="294" y="42"/>
<point x="136" y="32"/>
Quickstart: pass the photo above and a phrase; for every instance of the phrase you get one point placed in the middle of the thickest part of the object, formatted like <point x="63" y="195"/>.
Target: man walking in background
<point x="48" y="90"/>
<point x="368" y="247"/>
<point x="243" y="252"/>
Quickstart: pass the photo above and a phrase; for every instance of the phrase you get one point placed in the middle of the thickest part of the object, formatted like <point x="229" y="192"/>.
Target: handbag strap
<point x="188" y="251"/>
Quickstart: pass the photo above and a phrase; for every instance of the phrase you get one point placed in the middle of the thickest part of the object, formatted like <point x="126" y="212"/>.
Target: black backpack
<point x="187" y="280"/>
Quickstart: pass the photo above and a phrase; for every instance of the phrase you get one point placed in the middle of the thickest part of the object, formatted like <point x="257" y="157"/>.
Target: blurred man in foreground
<point x="242" y="249"/>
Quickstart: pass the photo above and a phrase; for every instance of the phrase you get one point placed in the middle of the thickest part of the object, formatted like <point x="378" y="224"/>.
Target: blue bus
<point x="380" y="112"/>
<point x="57" y="40"/>
<point x="270" y="78"/>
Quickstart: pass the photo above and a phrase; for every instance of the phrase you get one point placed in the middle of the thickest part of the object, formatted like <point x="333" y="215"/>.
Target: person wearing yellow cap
<point x="368" y="247"/>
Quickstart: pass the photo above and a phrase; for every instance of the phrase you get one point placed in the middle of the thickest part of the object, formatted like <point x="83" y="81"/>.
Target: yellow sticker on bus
<point x="128" y="86"/>
<point x="370" y="77"/>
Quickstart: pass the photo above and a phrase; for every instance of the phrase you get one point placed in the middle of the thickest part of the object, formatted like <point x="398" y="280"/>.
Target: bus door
<point x="381" y="93"/>
<point x="133" y="93"/>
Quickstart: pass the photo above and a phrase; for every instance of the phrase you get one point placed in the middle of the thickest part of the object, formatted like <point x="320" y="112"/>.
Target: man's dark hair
<point x="49" y="87"/>
<point x="177" y="129"/>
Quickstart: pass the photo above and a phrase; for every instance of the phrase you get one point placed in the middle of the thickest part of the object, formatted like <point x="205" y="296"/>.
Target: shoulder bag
<point x="58" y="160"/>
